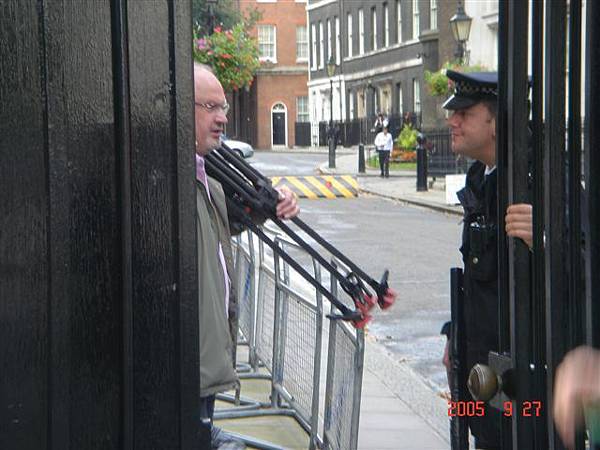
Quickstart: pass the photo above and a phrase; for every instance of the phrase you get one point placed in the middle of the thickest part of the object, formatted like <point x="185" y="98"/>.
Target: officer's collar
<point x="489" y="170"/>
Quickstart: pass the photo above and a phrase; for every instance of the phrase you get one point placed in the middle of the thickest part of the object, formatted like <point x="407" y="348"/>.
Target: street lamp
<point x="331" y="66"/>
<point x="460" y="24"/>
<point x="211" y="4"/>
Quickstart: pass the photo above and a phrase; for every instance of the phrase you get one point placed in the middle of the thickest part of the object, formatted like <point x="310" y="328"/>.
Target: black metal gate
<point x="302" y="133"/>
<point x="98" y="281"/>
<point x="550" y="299"/>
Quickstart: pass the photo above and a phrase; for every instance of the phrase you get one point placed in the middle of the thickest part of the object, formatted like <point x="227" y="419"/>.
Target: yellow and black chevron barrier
<point x="322" y="186"/>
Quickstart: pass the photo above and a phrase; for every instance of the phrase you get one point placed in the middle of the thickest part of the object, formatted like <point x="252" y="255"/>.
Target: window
<point x="329" y="41"/>
<point x="398" y="21"/>
<point x="400" y="101"/>
<point x="267" y="43"/>
<point x="338" y="44"/>
<point x="302" y="109"/>
<point x="301" y="44"/>
<point x="313" y="39"/>
<point x="351" y="105"/>
<point x="386" y="99"/>
<point x="386" y="25"/>
<point x="350" y="36"/>
<point x="361" y="32"/>
<point x="361" y="104"/>
<point x="415" y="25"/>
<point x="416" y="96"/>
<point x="321" y="47"/>
<point x="433" y="14"/>
<point x="373" y="28"/>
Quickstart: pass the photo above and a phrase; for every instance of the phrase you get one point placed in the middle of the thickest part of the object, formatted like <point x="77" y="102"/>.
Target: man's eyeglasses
<point x="214" y="107"/>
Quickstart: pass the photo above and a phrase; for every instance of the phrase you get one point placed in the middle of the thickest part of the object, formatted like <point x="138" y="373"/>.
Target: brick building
<point x="279" y="95"/>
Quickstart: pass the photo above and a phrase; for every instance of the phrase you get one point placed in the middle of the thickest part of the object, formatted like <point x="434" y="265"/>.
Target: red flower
<point x="217" y="29"/>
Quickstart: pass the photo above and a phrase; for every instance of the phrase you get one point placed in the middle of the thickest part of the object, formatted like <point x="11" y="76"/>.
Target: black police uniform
<point x="480" y="256"/>
<point x="480" y="253"/>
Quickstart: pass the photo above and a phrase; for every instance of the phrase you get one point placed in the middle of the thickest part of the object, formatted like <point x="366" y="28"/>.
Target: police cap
<point x="471" y="88"/>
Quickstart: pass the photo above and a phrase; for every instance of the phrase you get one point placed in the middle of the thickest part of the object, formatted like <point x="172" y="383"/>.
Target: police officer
<point x="472" y="122"/>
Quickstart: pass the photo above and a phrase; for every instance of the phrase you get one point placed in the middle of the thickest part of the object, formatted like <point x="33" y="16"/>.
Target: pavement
<point x="391" y="389"/>
<point x="399" y="410"/>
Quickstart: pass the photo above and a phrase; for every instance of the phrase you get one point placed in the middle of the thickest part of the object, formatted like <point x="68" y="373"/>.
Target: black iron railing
<point x="362" y="130"/>
<point x="441" y="160"/>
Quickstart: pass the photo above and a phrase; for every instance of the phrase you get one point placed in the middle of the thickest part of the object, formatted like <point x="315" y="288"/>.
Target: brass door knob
<point x="483" y="383"/>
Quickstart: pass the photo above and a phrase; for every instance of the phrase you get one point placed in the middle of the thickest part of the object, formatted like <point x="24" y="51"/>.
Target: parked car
<point x="241" y="148"/>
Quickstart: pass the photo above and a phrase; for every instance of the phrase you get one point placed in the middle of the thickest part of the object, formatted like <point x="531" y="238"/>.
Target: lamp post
<point x="211" y="4"/>
<point x="460" y="24"/>
<point x="331" y="66"/>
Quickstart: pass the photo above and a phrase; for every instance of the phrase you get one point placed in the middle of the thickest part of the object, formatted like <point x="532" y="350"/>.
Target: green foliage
<point x="233" y="55"/>
<point x="438" y="83"/>
<point x="407" y="139"/>
<point x="226" y="14"/>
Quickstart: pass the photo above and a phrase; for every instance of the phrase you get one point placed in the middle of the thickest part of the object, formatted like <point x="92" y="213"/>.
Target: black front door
<point x="278" y="128"/>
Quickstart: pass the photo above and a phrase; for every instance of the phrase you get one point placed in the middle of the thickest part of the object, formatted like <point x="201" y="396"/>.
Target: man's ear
<point x="493" y="124"/>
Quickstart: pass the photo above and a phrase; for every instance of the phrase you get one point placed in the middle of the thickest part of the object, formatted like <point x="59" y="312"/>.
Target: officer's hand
<point x="287" y="205"/>
<point x="577" y="384"/>
<point x="519" y="222"/>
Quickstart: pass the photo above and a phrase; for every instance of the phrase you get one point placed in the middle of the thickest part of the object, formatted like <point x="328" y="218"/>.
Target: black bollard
<point x="421" y="164"/>
<point x="361" y="158"/>
<point x="332" y="152"/>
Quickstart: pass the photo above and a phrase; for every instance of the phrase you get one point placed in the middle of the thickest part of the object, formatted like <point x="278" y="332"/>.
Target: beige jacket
<point x="217" y="331"/>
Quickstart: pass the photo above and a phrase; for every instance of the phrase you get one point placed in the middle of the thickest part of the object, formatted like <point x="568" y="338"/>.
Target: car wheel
<point x="239" y="152"/>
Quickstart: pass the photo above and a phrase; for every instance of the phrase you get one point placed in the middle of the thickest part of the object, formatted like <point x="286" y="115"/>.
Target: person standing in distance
<point x="218" y="303"/>
<point x="472" y="122"/>
<point x="384" y="145"/>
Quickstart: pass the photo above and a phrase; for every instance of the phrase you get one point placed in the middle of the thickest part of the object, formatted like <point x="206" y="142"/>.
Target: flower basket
<point x="400" y="154"/>
<point x="233" y="55"/>
<point x="438" y="83"/>
<point x="408" y="156"/>
<point x="405" y="145"/>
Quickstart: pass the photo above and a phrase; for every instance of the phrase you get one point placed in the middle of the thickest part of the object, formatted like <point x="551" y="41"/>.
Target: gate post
<point x="98" y="279"/>
<point x="592" y="169"/>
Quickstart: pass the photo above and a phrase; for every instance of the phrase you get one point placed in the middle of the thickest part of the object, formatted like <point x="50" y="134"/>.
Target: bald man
<point x="218" y="303"/>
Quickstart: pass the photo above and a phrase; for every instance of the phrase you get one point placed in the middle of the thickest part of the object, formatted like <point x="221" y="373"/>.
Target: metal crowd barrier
<point x="345" y="359"/>
<point x="265" y="308"/>
<point x="245" y="287"/>
<point x="298" y="341"/>
<point x="282" y="322"/>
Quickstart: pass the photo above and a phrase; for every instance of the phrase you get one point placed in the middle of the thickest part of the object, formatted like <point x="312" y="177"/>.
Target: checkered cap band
<point x="466" y="89"/>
